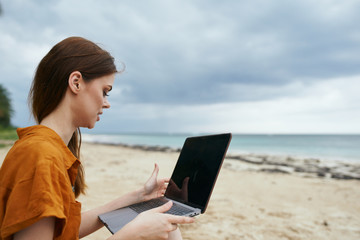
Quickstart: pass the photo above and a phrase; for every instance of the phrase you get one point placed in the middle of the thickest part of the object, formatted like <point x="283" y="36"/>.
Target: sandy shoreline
<point x="247" y="203"/>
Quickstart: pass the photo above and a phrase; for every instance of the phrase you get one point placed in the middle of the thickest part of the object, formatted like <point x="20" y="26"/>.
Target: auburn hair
<point x="51" y="81"/>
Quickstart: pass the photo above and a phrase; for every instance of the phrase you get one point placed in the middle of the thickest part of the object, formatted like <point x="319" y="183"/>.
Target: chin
<point x="91" y="126"/>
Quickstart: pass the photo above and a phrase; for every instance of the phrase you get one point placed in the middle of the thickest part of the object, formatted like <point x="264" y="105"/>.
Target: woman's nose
<point x="106" y="103"/>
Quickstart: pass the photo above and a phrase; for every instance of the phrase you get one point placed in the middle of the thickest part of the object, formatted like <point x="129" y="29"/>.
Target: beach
<point x="254" y="198"/>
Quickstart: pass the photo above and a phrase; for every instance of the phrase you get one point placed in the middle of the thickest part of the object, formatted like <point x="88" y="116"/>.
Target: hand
<point x="154" y="187"/>
<point x="152" y="224"/>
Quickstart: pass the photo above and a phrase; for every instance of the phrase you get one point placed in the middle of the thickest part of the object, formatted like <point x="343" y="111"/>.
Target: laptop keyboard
<point x="176" y="209"/>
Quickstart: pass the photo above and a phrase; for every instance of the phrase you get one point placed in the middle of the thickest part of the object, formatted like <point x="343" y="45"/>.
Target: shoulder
<point x="34" y="150"/>
<point x="27" y="158"/>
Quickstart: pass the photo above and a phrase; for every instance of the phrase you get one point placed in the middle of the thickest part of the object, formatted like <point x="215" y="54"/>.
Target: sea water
<point x="333" y="147"/>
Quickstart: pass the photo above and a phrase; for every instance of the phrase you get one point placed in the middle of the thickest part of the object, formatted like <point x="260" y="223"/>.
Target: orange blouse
<point x="36" y="180"/>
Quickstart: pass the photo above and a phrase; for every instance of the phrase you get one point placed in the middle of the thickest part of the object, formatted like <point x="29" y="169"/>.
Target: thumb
<point x="156" y="171"/>
<point x="151" y="183"/>
<point x="163" y="208"/>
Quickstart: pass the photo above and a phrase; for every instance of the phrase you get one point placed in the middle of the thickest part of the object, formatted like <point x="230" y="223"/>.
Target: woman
<point x="42" y="174"/>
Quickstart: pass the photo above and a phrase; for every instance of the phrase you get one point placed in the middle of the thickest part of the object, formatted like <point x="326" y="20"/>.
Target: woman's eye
<point x="105" y="94"/>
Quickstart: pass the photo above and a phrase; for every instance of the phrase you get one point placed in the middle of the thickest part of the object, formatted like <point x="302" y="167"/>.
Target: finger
<point x="174" y="227"/>
<point x="180" y="219"/>
<point x="163" y="181"/>
<point x="163" y="208"/>
<point x="176" y="234"/>
<point x="155" y="172"/>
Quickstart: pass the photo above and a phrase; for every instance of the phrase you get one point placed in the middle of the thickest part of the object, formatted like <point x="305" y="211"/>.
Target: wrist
<point x="140" y="194"/>
<point x="126" y="200"/>
<point x="126" y="233"/>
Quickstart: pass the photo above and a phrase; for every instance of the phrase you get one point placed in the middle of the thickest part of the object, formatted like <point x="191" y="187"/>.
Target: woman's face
<point x="93" y="100"/>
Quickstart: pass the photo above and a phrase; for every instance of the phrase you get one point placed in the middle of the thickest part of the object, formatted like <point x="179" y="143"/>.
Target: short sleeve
<point x="37" y="197"/>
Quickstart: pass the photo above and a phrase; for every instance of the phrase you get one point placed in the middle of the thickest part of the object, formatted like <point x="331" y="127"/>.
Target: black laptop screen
<point x="196" y="171"/>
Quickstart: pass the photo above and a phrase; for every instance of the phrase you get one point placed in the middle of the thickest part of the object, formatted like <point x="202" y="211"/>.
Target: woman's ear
<point x="75" y="82"/>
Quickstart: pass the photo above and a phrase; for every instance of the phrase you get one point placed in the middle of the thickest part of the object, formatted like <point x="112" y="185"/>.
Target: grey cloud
<point x="282" y="44"/>
<point x="192" y="52"/>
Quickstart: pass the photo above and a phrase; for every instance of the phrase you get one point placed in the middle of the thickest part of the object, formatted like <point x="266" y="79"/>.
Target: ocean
<point x="332" y="147"/>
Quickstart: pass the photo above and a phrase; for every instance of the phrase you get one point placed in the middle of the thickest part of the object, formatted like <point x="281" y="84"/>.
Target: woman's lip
<point x="98" y="116"/>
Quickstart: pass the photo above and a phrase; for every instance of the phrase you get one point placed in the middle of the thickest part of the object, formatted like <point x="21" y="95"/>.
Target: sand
<point x="245" y="204"/>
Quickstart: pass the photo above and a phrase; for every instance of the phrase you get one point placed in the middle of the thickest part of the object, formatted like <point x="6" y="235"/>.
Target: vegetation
<point x="7" y="131"/>
<point x="6" y="110"/>
<point x="7" y="136"/>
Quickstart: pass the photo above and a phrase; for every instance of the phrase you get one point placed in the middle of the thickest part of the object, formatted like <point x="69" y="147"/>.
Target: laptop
<point x="191" y="183"/>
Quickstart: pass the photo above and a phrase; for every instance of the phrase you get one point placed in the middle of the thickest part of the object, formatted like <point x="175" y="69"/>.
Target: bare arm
<point x="164" y="223"/>
<point x="152" y="188"/>
<point x="89" y="219"/>
<point x="41" y="230"/>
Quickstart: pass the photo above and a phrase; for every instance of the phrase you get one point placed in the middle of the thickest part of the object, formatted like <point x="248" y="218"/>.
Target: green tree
<point x="6" y="110"/>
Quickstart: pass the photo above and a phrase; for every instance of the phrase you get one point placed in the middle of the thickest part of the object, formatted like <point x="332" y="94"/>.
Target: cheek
<point x="97" y="98"/>
<point x="100" y="101"/>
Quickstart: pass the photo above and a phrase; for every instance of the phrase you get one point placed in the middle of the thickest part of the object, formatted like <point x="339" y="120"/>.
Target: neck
<point x="58" y="122"/>
<point x="61" y="120"/>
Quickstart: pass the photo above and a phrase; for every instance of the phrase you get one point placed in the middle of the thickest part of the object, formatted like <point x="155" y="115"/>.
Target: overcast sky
<point x="202" y="66"/>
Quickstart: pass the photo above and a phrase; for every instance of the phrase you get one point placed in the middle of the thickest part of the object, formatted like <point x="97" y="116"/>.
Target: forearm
<point x="89" y="219"/>
<point x="133" y="234"/>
